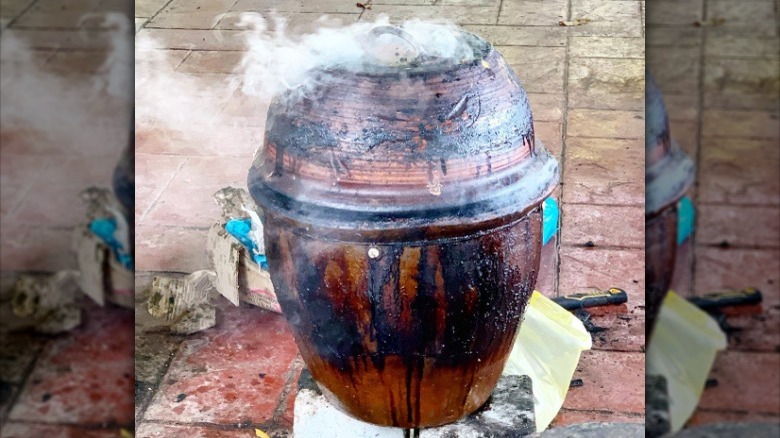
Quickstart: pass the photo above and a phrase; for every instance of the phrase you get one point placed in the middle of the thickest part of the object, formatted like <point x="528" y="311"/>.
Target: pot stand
<point x="508" y="412"/>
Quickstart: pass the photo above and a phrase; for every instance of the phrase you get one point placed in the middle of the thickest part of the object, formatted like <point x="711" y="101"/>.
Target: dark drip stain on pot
<point x="402" y="224"/>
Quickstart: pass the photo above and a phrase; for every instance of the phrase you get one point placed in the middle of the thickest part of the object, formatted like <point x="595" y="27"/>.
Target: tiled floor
<point x="721" y="84"/>
<point x="67" y="135"/>
<point x="586" y="89"/>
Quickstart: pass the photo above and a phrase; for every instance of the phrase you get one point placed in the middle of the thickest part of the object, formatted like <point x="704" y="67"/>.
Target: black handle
<point x="612" y="295"/>
<point x="718" y="300"/>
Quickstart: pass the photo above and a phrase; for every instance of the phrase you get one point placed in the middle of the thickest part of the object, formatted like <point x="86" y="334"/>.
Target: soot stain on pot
<point x="412" y="295"/>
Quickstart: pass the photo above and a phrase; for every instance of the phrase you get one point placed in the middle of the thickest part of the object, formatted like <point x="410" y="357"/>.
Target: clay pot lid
<point x="669" y="172"/>
<point x="426" y="139"/>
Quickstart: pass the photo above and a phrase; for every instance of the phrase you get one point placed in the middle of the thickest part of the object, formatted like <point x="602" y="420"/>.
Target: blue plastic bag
<point x="105" y="229"/>
<point x="240" y="228"/>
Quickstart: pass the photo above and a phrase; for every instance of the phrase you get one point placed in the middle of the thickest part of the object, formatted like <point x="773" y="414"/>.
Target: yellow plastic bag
<point x="547" y="349"/>
<point x="683" y="346"/>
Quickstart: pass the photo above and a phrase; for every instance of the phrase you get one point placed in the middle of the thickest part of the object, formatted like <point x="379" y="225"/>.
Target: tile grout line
<point x="165" y="187"/>
<point x="139" y="417"/>
<point x="21" y="14"/>
<point x="564" y="141"/>
<point x="25" y="191"/>
<point x="296" y="366"/>
<point x="23" y="383"/>
<point x="697" y="159"/>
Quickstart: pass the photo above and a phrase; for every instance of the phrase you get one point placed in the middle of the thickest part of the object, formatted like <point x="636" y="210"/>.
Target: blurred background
<point x="718" y="67"/>
<point x="67" y="360"/>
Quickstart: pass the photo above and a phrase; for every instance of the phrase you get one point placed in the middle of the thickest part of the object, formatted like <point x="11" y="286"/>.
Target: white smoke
<point x="68" y="112"/>
<point x="277" y="61"/>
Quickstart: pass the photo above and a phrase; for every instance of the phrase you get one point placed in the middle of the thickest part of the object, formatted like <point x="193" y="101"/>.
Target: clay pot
<point x="669" y="174"/>
<point x="402" y="220"/>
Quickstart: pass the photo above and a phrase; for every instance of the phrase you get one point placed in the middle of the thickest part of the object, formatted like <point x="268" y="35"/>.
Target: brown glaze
<point x="417" y="336"/>
<point x="660" y="251"/>
<point x="403" y="231"/>
<point x="668" y="175"/>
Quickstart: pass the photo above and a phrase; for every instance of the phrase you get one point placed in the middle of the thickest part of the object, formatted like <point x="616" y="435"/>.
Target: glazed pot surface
<point x="405" y="334"/>
<point x="402" y="226"/>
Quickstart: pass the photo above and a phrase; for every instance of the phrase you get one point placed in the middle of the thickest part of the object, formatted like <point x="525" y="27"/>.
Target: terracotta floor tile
<point x="147" y="8"/>
<point x="18" y="175"/>
<point x="604" y="47"/>
<point x="757" y="331"/>
<point x="19" y="351"/>
<point x="607" y="83"/>
<point x="702" y="416"/>
<point x="232" y="373"/>
<point x="738" y="225"/>
<point x="189" y="14"/>
<point x="718" y="269"/>
<point x="606" y="124"/>
<point x="739" y="171"/>
<point x="737" y="123"/>
<point x="682" y="107"/>
<point x="156" y="430"/>
<point x="536" y="13"/>
<point x="740" y="83"/>
<point x="225" y="136"/>
<point x="546" y="107"/>
<point x="591" y="269"/>
<point x="208" y="61"/>
<point x="26" y="430"/>
<point x="174" y="249"/>
<point x="748" y="382"/>
<point x="193" y="39"/>
<point x="31" y="249"/>
<point x="588" y="178"/>
<point x="675" y="69"/>
<point x="625" y="328"/>
<point x="613" y="19"/>
<point x="196" y="182"/>
<point x="550" y="135"/>
<point x="613" y="382"/>
<point x="157" y="172"/>
<point x="603" y="225"/>
<point x="668" y="12"/>
<point x="284" y="7"/>
<point x="53" y="199"/>
<point x="287" y="406"/>
<point x="459" y="14"/>
<point x="536" y="36"/>
<point x="663" y="37"/>
<point x="569" y="416"/>
<point x="739" y="18"/>
<point x="59" y="14"/>
<point x="297" y="23"/>
<point x="85" y="377"/>
<point x="540" y="69"/>
<point x="685" y="134"/>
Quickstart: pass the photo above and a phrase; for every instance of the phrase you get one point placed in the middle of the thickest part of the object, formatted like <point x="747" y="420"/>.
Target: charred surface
<point x="417" y="336"/>
<point x="660" y="250"/>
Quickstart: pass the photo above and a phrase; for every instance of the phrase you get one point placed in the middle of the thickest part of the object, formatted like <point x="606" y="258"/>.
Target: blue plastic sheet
<point x="105" y="229"/>
<point x="686" y="215"/>
<point x="550" y="219"/>
<point x="240" y="228"/>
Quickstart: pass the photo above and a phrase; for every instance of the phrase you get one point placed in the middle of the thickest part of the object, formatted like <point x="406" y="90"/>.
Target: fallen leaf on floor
<point x="124" y="433"/>
<point x="261" y="434"/>
<point x="576" y="22"/>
